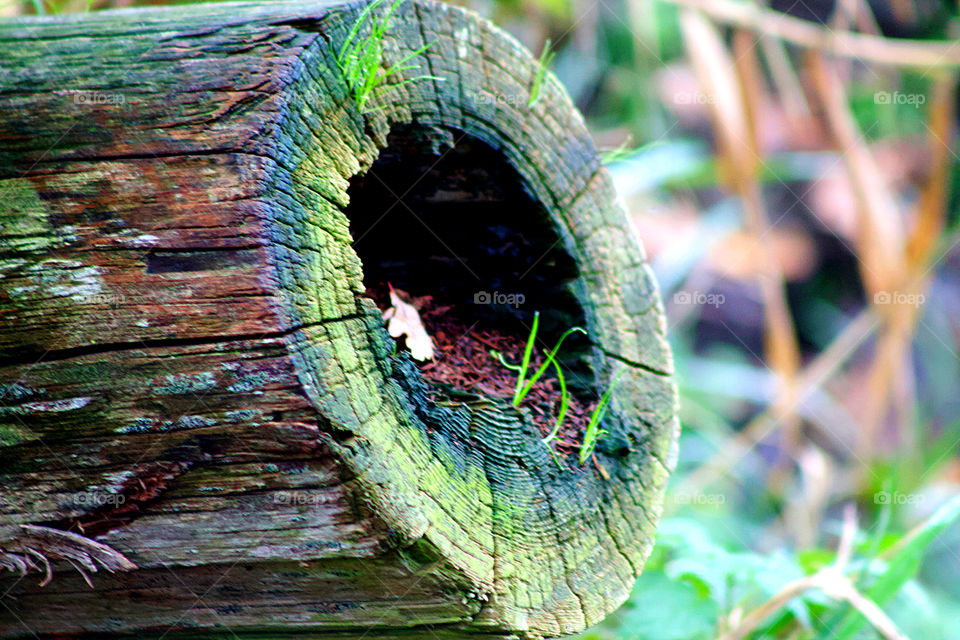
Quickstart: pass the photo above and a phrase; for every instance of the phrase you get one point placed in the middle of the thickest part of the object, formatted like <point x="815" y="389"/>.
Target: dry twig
<point x="922" y="54"/>
<point x="833" y="582"/>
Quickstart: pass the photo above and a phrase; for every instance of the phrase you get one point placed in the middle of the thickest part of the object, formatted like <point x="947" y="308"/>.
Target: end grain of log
<point x="190" y="370"/>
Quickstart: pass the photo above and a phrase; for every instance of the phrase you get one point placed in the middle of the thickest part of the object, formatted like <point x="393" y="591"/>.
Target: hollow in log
<point x="198" y="396"/>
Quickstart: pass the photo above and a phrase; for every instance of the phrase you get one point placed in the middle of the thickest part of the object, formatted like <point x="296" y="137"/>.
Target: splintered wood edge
<point x="547" y="553"/>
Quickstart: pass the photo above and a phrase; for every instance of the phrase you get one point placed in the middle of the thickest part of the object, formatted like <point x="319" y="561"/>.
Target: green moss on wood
<point x="288" y="358"/>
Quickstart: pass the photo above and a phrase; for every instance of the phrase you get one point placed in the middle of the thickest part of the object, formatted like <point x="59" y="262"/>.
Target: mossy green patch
<point x="16" y="391"/>
<point x="14" y="434"/>
<point x="183" y="384"/>
<point x="24" y="220"/>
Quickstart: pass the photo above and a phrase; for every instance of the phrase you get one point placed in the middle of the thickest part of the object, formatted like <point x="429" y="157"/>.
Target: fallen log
<point x="197" y="392"/>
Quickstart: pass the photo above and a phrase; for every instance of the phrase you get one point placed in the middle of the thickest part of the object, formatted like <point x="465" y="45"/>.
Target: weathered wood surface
<point x="191" y="374"/>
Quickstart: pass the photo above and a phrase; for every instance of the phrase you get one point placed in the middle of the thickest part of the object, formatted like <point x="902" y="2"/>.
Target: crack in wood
<point x="31" y="357"/>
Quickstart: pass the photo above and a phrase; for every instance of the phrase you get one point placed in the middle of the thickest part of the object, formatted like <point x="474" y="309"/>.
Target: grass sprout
<point x="593" y="433"/>
<point x="49" y="7"/>
<point x="617" y="154"/>
<point x="361" y="57"/>
<point x="543" y="64"/>
<point x="524" y="384"/>
<point x="564" y="403"/>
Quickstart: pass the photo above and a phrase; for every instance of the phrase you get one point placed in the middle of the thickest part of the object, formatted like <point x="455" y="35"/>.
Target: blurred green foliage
<point x="728" y="548"/>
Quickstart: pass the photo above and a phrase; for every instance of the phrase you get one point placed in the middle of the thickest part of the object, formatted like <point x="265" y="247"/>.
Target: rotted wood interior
<point x="192" y="374"/>
<point x="445" y="215"/>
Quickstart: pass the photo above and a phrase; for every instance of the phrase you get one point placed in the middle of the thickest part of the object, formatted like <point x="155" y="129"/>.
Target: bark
<point x="193" y="381"/>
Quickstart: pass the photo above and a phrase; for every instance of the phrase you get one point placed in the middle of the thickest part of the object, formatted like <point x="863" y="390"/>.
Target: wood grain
<point x="191" y="373"/>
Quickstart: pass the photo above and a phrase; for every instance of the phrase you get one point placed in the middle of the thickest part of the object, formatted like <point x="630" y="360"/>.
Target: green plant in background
<point x="543" y="65"/>
<point x="889" y="571"/>
<point x="696" y="570"/>
<point x="49" y="7"/>
<point x="361" y="57"/>
<point x="593" y="433"/>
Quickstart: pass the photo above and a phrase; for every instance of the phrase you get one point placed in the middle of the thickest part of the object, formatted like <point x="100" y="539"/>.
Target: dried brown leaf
<point x="403" y="320"/>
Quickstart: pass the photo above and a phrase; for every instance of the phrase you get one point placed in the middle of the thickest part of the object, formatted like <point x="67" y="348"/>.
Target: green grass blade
<point x="499" y="356"/>
<point x="546" y="365"/>
<point x="543" y="64"/>
<point x="360" y="58"/>
<point x="880" y="529"/>
<point x="409" y="56"/>
<point x="348" y="43"/>
<point x="525" y="364"/>
<point x="403" y="82"/>
<point x="621" y="151"/>
<point x="564" y="403"/>
<point x="593" y="433"/>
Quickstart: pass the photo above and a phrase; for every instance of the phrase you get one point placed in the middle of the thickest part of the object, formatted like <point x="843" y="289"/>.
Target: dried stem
<point x="923" y="54"/>
<point x="832" y="581"/>
<point x="812" y="377"/>
<point x="879" y="246"/>
<point x="734" y="82"/>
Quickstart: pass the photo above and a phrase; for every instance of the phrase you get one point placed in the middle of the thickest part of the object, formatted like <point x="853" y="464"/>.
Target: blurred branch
<point x="859" y="13"/>
<point x="833" y="582"/>
<point x="784" y="76"/>
<point x="879" y="244"/>
<point x="733" y="81"/>
<point x="931" y="213"/>
<point x="881" y="253"/>
<point x="929" y="222"/>
<point x="810" y="378"/>
<point x="782" y="350"/>
<point x="893" y="270"/>
<point x="924" y="54"/>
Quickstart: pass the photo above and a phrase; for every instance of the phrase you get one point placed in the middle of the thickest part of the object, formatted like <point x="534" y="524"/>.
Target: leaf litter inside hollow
<point x="463" y="360"/>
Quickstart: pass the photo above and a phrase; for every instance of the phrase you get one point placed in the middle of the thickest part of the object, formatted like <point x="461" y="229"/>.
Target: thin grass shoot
<point x="593" y="433"/>
<point x="543" y="64"/>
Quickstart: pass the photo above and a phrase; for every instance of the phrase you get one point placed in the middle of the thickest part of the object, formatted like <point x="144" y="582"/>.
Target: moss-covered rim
<point x="537" y="551"/>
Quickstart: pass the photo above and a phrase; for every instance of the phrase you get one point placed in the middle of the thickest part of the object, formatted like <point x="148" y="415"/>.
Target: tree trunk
<point x="194" y="381"/>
